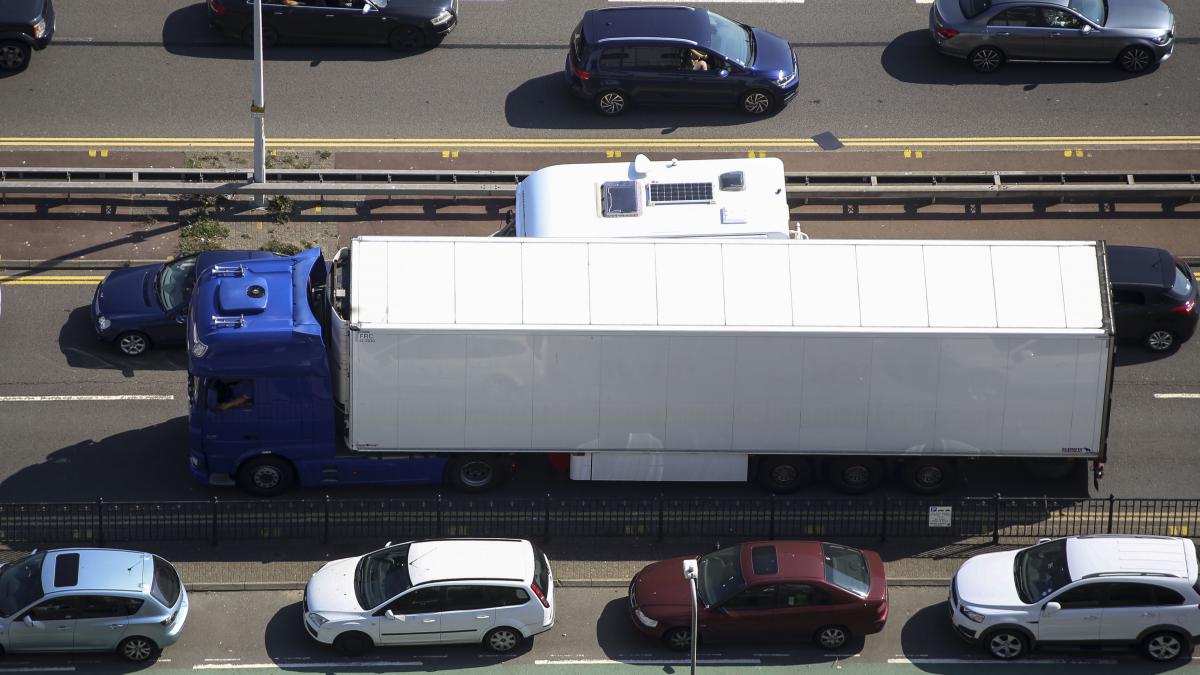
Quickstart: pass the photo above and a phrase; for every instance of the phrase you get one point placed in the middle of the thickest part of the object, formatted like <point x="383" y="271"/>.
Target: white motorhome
<point x="677" y="198"/>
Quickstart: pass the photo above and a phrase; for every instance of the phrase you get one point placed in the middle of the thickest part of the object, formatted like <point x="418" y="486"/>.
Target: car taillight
<point x="540" y="595"/>
<point x="946" y="33"/>
<point x="1185" y="308"/>
<point x="216" y="7"/>
<point x="581" y="74"/>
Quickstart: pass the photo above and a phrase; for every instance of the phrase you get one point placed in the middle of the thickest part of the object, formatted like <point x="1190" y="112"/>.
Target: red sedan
<point x="765" y="591"/>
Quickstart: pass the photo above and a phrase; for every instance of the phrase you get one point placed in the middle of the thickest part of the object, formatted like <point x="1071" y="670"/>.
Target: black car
<point x="405" y="25"/>
<point x="1154" y="296"/>
<point x="141" y="307"/>
<point x="25" y="26"/>
<point x="678" y="55"/>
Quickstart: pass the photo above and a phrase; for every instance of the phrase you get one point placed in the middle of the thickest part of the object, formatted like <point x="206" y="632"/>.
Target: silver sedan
<point x="1134" y="34"/>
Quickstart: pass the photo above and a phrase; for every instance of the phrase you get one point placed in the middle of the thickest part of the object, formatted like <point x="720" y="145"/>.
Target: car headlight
<point x="645" y="620"/>
<point x="199" y="349"/>
<point x="1162" y="39"/>
<point x="783" y="80"/>
<point x="971" y="614"/>
<point x="103" y="323"/>
<point x="443" y="18"/>
<point x="317" y="620"/>
<point x="39" y="28"/>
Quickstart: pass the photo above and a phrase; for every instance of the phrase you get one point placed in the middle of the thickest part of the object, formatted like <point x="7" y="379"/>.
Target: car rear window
<point x="973" y="8"/>
<point x="166" y="583"/>
<point x="846" y="568"/>
<point x="579" y="44"/>
<point x="1181" y="288"/>
<point x="541" y="570"/>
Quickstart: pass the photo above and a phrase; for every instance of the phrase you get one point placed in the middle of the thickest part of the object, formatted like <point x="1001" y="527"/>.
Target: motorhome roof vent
<point x="619" y="198"/>
<point x="733" y="181"/>
<point x="680" y="193"/>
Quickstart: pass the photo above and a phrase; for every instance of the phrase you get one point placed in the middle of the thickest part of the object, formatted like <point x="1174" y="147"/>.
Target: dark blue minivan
<point x="673" y="55"/>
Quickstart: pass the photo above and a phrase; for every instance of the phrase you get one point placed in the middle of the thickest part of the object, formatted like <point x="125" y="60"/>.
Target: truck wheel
<point x="266" y="476"/>
<point x="855" y="475"/>
<point x="928" y="476"/>
<point x="476" y="474"/>
<point x="783" y="475"/>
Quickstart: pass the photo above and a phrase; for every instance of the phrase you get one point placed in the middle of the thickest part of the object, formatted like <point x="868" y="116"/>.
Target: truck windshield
<point x="20" y="583"/>
<point x="1041" y="570"/>
<point x="381" y="576"/>
<point x="720" y="576"/>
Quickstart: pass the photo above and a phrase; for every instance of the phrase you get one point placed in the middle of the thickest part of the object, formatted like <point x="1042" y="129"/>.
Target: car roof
<point x="624" y="23"/>
<point x="98" y="569"/>
<point x="796" y="560"/>
<point x="1108" y="555"/>
<point x="445" y="559"/>
<point x="1140" y="266"/>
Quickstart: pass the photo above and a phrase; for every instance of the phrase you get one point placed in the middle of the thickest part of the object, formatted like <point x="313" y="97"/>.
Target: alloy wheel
<point x="832" y="637"/>
<point x="11" y="57"/>
<point x="756" y="103"/>
<point x="1163" y="647"/>
<point x="132" y="344"/>
<point x="1135" y="59"/>
<point x="679" y="639"/>
<point x="1005" y="646"/>
<point x="985" y="60"/>
<point x="137" y="649"/>
<point x="611" y="103"/>
<point x="1160" y="340"/>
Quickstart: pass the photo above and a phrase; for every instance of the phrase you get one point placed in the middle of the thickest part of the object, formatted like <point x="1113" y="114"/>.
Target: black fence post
<point x="883" y="521"/>
<point x="771" y="530"/>
<point x="213" y="524"/>
<point x="660" y="516"/>
<point x="325" y="534"/>
<point x="438" y="497"/>
<point x="1111" y="500"/>
<point x="100" y="522"/>
<point x="996" y="518"/>
<point x="546" y="519"/>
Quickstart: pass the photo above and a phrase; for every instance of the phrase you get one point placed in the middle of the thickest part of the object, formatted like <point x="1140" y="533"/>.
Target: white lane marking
<point x="1023" y="662"/>
<point x="220" y="660"/>
<point x="1177" y="396"/>
<point x="42" y="669"/>
<point x="356" y="665"/>
<point x="924" y="2"/>
<point x="645" y="662"/>
<point x="730" y="2"/>
<point x="122" y="397"/>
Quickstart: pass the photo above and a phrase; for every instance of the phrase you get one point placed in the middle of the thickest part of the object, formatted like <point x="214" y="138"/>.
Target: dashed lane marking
<point x="645" y="662"/>
<point x="1176" y="395"/>
<point x="121" y="397"/>
<point x="1023" y="662"/>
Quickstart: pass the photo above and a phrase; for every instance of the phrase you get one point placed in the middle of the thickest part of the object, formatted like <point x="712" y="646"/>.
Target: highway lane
<point x="592" y="635"/>
<point x="153" y="69"/>
<point x="135" y="449"/>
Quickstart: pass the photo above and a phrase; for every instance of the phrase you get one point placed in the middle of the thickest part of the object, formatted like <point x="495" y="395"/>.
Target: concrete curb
<point x="73" y="264"/>
<point x="227" y="586"/>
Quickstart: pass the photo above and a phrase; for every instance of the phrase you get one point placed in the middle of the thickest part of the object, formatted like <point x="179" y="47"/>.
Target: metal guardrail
<point x="1179" y="186"/>
<point x="992" y="520"/>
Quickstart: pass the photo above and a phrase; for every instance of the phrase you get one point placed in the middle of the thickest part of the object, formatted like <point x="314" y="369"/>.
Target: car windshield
<point x="1095" y="10"/>
<point x="174" y="282"/>
<point x="381" y="576"/>
<point x="730" y="39"/>
<point x="720" y="576"/>
<point x="1041" y="570"/>
<point x="846" y="568"/>
<point x="20" y="583"/>
<point x="973" y="8"/>
<point x="1181" y="289"/>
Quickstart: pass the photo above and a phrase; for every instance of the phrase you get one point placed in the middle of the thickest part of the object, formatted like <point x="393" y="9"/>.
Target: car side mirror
<point x="30" y="622"/>
<point x="724" y="73"/>
<point x="1051" y="607"/>
<point x="391" y="615"/>
<point x="1043" y="540"/>
<point x="1087" y="28"/>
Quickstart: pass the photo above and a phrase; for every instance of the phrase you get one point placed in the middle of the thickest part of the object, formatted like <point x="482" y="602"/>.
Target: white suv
<point x="1100" y="589"/>
<point x="494" y="592"/>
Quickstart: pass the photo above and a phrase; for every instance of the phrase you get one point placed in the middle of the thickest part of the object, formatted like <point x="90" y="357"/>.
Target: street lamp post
<point x="691" y="572"/>
<point x="258" y="109"/>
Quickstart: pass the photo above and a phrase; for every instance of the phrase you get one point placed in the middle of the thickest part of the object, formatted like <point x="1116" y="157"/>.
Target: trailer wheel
<point x="266" y="476"/>
<point x="476" y="474"/>
<point x="855" y="475"/>
<point x="928" y="476"/>
<point x="783" y="475"/>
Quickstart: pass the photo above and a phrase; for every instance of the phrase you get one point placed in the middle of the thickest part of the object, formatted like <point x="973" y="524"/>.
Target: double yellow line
<point x="52" y="280"/>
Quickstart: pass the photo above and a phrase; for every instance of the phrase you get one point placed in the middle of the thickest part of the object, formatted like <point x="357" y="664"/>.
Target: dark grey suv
<point x="1134" y="34"/>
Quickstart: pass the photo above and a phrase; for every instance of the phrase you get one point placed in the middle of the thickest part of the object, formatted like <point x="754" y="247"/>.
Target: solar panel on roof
<point x="668" y="193"/>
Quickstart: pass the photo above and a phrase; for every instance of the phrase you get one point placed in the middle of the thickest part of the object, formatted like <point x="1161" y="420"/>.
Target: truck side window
<point x="231" y="395"/>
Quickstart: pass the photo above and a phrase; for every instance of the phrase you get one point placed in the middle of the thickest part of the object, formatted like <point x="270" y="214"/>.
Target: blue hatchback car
<point x="140" y="307"/>
<point x="674" y="55"/>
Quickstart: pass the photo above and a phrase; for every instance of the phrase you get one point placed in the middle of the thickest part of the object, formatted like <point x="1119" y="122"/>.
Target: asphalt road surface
<point x="152" y="68"/>
<point x="133" y="447"/>
<point x="592" y="635"/>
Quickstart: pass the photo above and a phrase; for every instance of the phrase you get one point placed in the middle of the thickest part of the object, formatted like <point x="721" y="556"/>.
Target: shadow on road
<point x="78" y="343"/>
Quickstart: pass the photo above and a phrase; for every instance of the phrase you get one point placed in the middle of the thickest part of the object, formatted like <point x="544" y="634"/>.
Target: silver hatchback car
<point x="91" y="600"/>
<point x="1134" y="34"/>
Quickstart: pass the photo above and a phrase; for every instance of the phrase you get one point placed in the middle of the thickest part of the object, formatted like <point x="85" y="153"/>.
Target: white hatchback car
<point x="494" y="592"/>
<point x="1090" y="590"/>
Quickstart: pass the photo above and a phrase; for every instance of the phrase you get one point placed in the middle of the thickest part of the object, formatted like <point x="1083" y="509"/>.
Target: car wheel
<point x="855" y="475"/>
<point x="928" y="476"/>
<point x="986" y="59"/>
<point x="1161" y="340"/>
<point x="352" y="644"/>
<point x="1165" y="646"/>
<point x="783" y="475"/>
<point x="137" y="649"/>
<point x="611" y="103"/>
<point x="756" y="102"/>
<point x="1006" y="644"/>
<point x="266" y="476"/>
<point x="1135" y="59"/>
<point x="133" y="343"/>
<point x="270" y="36"/>
<point x="14" y="56"/>
<point x="476" y="474"/>
<point x="406" y="39"/>
<point x="503" y="640"/>
<point x="832" y="637"/>
<point x="678" y="639"/>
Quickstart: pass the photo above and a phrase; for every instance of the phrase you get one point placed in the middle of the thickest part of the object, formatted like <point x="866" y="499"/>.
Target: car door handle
<point x="1004" y="34"/>
<point x="64" y="628"/>
<point x="1091" y="618"/>
<point x="1056" y="35"/>
<point x="115" y="626"/>
<point x="430" y="621"/>
<point x="483" y="616"/>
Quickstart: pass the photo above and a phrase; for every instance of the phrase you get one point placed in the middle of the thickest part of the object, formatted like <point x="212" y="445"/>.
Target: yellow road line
<point x="48" y="283"/>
